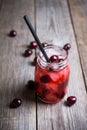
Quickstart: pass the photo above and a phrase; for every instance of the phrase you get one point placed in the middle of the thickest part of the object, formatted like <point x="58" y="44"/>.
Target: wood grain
<point x="79" y="19"/>
<point x="55" y="22"/>
<point x="54" y="25"/>
<point x="15" y="70"/>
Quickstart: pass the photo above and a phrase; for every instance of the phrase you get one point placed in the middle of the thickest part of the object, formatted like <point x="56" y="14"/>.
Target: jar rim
<point x="41" y="60"/>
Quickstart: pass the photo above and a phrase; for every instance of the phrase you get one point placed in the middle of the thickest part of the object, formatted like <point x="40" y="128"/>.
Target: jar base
<point x="49" y="102"/>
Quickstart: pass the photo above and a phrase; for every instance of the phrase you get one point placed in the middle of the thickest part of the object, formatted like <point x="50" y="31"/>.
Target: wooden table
<point x="57" y="22"/>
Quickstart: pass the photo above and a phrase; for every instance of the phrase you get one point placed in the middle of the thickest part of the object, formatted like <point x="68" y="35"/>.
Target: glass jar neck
<point x="53" y="50"/>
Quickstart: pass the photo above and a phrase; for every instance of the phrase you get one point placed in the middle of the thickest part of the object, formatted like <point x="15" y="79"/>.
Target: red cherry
<point x="71" y="100"/>
<point x="67" y="46"/>
<point x="54" y="58"/>
<point x="33" y="45"/>
<point x="27" y="53"/>
<point x="44" y="44"/>
<point x="45" y="79"/>
<point x="12" y="33"/>
<point x="15" y="103"/>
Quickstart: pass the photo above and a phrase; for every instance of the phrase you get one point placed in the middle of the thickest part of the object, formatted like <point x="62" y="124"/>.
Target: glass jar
<point x="52" y="77"/>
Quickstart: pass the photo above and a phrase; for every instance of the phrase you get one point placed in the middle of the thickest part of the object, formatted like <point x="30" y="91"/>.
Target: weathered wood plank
<point x="15" y="70"/>
<point x="0" y="4"/>
<point x="79" y="19"/>
<point x="53" y="24"/>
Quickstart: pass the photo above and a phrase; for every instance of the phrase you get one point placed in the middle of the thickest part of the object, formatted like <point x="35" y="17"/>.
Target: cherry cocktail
<point x="52" y="77"/>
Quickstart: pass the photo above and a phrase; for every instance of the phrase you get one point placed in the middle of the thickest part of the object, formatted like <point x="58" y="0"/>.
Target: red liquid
<point x="52" y="85"/>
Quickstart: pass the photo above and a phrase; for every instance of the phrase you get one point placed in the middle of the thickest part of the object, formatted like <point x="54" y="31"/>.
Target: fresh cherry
<point x="45" y="79"/>
<point x="15" y="103"/>
<point x="27" y="52"/>
<point x="67" y="46"/>
<point x="54" y="58"/>
<point x="33" y="45"/>
<point x="71" y="100"/>
<point x="12" y="33"/>
<point x="44" y="44"/>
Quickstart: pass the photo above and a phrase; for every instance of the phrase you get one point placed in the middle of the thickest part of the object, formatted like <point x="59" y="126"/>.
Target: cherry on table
<point x="16" y="102"/>
<point x="12" y="33"/>
<point x="27" y="52"/>
<point x="34" y="62"/>
<point x="67" y="46"/>
<point x="33" y="45"/>
<point x="71" y="100"/>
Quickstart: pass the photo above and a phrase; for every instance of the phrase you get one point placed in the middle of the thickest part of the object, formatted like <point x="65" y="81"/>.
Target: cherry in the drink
<point x="52" y="83"/>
